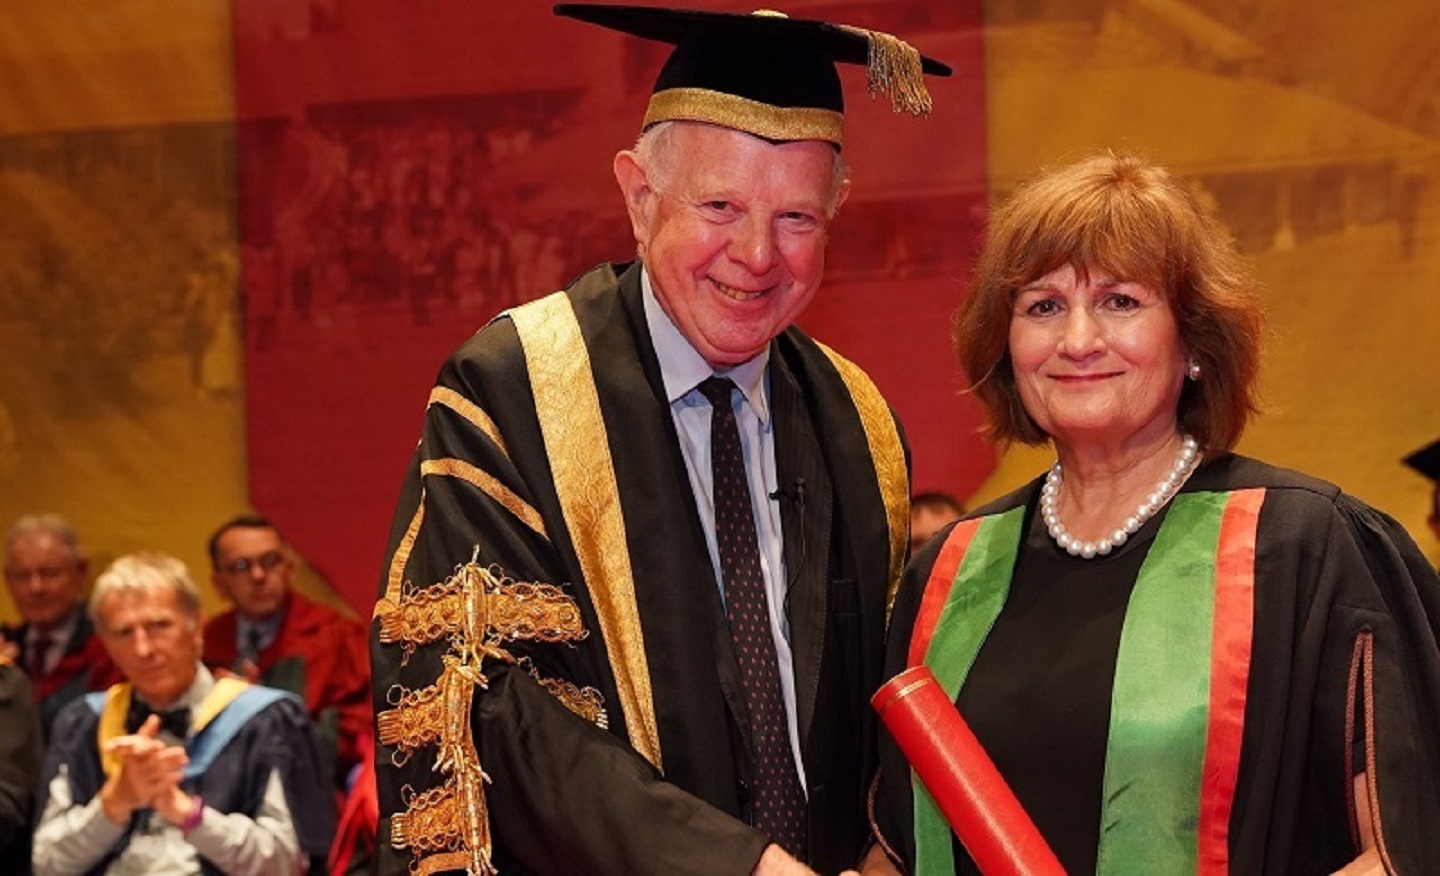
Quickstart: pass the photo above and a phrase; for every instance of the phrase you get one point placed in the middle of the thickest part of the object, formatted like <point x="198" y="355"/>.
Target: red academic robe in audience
<point x="319" y="654"/>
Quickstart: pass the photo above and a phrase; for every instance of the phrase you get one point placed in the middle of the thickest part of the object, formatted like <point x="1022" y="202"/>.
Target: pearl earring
<point x="1192" y="370"/>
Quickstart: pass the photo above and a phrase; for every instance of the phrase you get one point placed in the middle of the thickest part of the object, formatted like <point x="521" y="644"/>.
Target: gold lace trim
<point x="567" y="405"/>
<point x="471" y="413"/>
<point x="486" y="483"/>
<point x="744" y="114"/>
<point x="889" y="457"/>
<point x="474" y="613"/>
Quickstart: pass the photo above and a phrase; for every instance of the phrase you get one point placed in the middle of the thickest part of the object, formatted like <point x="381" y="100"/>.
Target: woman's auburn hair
<point x="1120" y="215"/>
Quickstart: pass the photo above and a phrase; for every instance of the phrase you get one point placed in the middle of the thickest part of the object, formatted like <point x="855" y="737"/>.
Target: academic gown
<point x="318" y="654"/>
<point x="277" y="738"/>
<point x="1327" y="569"/>
<point x="20" y="753"/>
<point x="565" y="796"/>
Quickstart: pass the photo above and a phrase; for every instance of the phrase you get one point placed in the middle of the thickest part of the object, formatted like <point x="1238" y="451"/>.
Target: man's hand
<point x="149" y="770"/>
<point x="875" y="864"/>
<point x="777" y="862"/>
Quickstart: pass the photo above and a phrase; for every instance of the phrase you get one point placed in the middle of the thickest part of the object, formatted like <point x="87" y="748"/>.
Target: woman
<point x="1180" y="659"/>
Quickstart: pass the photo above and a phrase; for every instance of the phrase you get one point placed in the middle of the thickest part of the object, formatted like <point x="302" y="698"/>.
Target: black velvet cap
<point x="764" y="73"/>
<point x="1426" y="460"/>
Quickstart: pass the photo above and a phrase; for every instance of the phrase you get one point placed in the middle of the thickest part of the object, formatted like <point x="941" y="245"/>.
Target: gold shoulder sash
<point x="567" y="405"/>
<point x="888" y="455"/>
<point x="117" y="707"/>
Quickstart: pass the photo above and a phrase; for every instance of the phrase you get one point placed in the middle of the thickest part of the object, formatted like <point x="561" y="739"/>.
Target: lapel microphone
<point x="793" y="493"/>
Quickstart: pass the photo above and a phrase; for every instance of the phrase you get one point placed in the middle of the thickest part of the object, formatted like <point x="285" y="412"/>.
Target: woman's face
<point x="1097" y="360"/>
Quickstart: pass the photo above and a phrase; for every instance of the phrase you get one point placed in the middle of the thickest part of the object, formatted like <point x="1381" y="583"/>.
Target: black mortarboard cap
<point x="764" y="73"/>
<point x="1426" y="460"/>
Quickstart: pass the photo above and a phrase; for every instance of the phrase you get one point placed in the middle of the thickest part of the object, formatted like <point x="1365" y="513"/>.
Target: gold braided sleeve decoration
<point x="396" y="576"/>
<point x="894" y="69"/>
<point x="473" y="613"/>
<point x="471" y="413"/>
<point x="888" y="455"/>
<point x="587" y="702"/>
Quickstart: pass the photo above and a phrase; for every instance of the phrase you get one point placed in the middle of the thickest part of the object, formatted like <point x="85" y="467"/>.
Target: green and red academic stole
<point x="1178" y="708"/>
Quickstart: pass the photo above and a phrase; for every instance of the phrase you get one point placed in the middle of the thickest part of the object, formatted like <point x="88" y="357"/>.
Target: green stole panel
<point x="1163" y="737"/>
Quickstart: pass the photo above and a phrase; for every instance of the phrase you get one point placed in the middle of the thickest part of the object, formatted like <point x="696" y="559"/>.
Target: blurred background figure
<point x="275" y="636"/>
<point x="1166" y="648"/>
<point x="1426" y="461"/>
<point x="20" y="755"/>
<point x="175" y="770"/>
<point x="930" y="511"/>
<point x="54" y="643"/>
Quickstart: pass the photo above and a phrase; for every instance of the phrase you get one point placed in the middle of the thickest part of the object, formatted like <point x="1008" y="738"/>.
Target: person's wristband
<point x="192" y="820"/>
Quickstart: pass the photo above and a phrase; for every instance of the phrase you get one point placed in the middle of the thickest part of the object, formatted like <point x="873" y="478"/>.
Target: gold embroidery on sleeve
<point x="474" y="613"/>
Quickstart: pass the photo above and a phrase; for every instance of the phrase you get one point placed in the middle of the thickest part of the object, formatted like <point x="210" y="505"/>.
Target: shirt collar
<point x="682" y="367"/>
<point x="58" y="635"/>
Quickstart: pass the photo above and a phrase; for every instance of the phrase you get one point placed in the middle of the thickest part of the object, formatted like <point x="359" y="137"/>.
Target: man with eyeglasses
<point x="55" y="642"/>
<point x="279" y="638"/>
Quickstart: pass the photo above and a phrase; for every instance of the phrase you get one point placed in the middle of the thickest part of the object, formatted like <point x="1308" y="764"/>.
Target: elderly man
<point x="277" y="637"/>
<point x="174" y="770"/>
<point x="54" y="644"/>
<point x="650" y="499"/>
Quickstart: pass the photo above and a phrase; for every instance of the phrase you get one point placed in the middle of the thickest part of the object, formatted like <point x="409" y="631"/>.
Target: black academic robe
<point x="20" y="753"/>
<point x="277" y="738"/>
<point x="1327" y="568"/>
<point x="566" y="796"/>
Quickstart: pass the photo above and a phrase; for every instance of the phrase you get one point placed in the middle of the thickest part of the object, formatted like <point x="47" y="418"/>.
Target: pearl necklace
<point x="1185" y="463"/>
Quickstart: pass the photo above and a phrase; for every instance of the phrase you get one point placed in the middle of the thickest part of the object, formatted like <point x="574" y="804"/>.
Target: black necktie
<point x="176" y="722"/>
<point x="39" y="651"/>
<point x="779" y="801"/>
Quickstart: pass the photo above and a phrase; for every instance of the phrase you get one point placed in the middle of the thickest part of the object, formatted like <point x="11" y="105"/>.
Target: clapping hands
<point x="149" y="776"/>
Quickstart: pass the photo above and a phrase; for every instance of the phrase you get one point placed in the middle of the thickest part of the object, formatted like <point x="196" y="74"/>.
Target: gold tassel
<point x="894" y="70"/>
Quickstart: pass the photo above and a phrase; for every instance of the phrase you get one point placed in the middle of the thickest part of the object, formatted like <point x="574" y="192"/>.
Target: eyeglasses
<point x="266" y="563"/>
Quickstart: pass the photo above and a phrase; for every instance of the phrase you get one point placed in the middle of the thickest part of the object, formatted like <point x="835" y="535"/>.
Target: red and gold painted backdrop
<point x="237" y="241"/>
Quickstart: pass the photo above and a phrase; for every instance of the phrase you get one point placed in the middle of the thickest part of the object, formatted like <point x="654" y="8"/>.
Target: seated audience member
<point x="54" y="644"/>
<point x="20" y="753"/>
<point x="278" y="638"/>
<point x="174" y="770"/>
<point x="930" y="512"/>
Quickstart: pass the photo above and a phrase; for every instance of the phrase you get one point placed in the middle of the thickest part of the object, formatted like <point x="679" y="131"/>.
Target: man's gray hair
<point x="46" y="524"/>
<point x="655" y="154"/>
<point x="144" y="573"/>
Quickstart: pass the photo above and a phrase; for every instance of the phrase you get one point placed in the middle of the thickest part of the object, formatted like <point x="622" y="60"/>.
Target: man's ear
<point x="217" y="581"/>
<point x="840" y="197"/>
<point x="636" y="191"/>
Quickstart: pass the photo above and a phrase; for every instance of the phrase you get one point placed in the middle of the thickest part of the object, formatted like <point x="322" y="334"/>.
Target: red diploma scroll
<point x="971" y="794"/>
